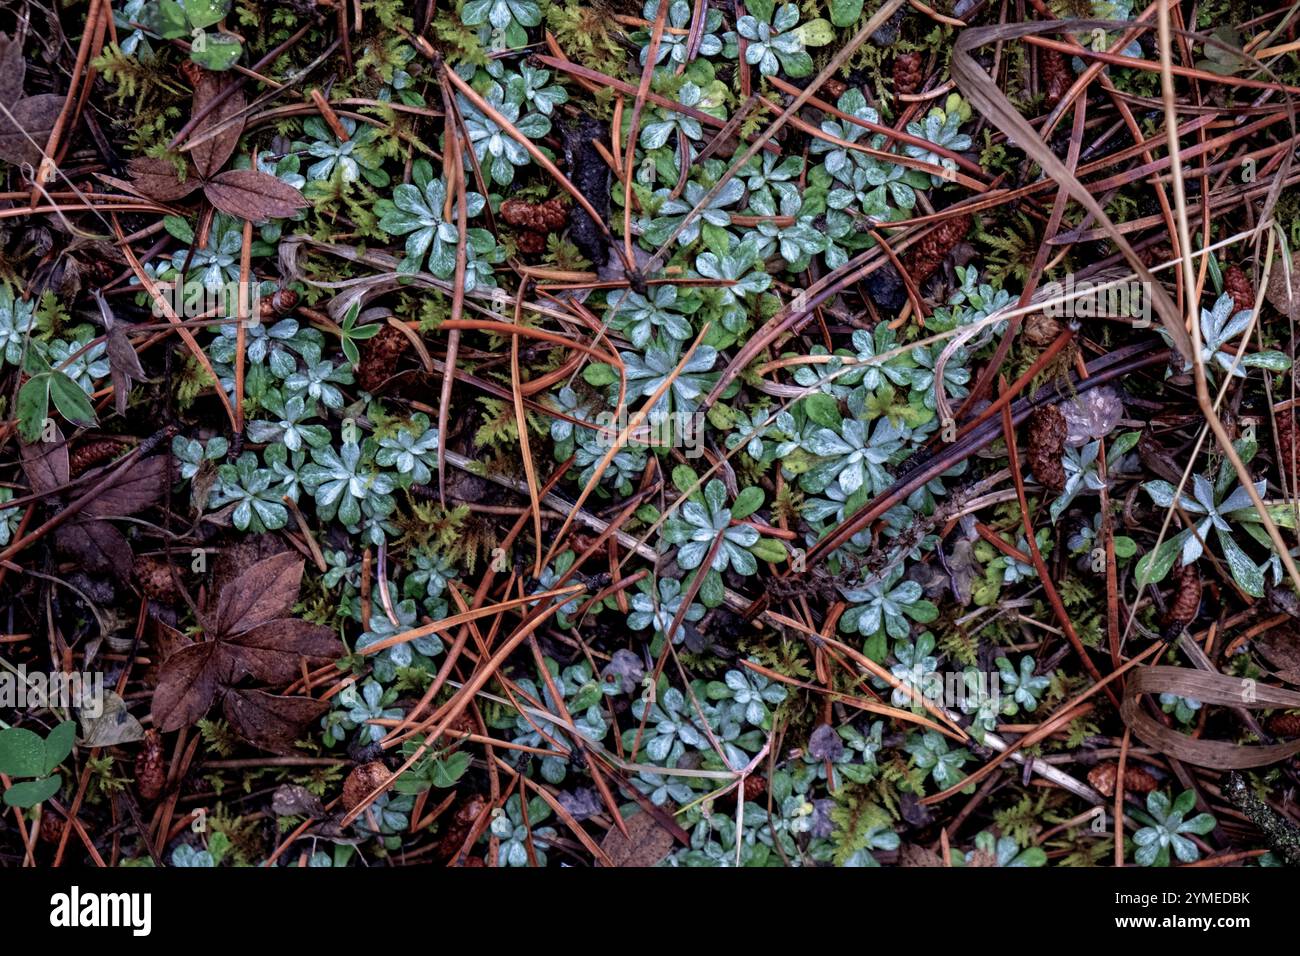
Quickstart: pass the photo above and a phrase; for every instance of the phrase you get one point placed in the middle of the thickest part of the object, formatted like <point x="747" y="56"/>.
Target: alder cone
<point x="279" y="303"/>
<point x="907" y="73"/>
<point x="1104" y="776"/>
<point x="926" y="256"/>
<point x="459" y="827"/>
<point x="51" y="827"/>
<point x="155" y="579"/>
<point x="150" y="767"/>
<point x="361" y="782"/>
<point x="544" y="217"/>
<point x="755" y="787"/>
<point x="834" y="88"/>
<point x="1286" y="443"/>
<point x="530" y="243"/>
<point x="1237" y="284"/>
<point x="1284" y="725"/>
<point x="1047" y="431"/>
<point x="1187" y="599"/>
<point x="1057" y="75"/>
<point x="94" y="453"/>
<point x="379" y="358"/>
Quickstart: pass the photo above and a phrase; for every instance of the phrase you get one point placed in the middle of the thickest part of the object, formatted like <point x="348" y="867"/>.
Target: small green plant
<point x="26" y="754"/>
<point x="1167" y="828"/>
<point x="189" y="20"/>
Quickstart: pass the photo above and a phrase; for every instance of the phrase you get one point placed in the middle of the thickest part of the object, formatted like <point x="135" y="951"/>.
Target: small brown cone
<point x="1104" y="776"/>
<point x="150" y="766"/>
<point x="1047" y="431"/>
<point x="1287" y="446"/>
<point x="379" y="358"/>
<point x="94" y="453"/>
<point x="907" y="73"/>
<point x="1237" y="284"/>
<point x="361" y="782"/>
<point x="155" y="579"/>
<point x="1057" y="75"/>
<point x="1186" y="600"/>
<point x="51" y="826"/>
<point x="1284" y="725"/>
<point x="926" y="256"/>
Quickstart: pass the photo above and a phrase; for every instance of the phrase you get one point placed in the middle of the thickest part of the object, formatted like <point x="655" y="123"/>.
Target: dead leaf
<point x="912" y="854"/>
<point x="210" y="155"/>
<point x="263" y="593"/>
<point x="270" y="721"/>
<point x="272" y="652"/>
<point x="1209" y="688"/>
<point x="249" y="636"/>
<point x="98" y="547"/>
<point x="23" y="137"/>
<point x="1283" y="291"/>
<point x="123" y="362"/>
<point x="138" y="486"/>
<point x="253" y="195"/>
<point x="186" y="687"/>
<point x="46" y="464"/>
<point x="291" y="800"/>
<point x="1280" y="647"/>
<point x="645" y="845"/>
<point x="114" y="725"/>
<point x="13" y="68"/>
<point x="157" y="179"/>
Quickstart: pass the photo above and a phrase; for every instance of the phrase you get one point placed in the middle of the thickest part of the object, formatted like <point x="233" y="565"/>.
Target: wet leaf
<point x="114" y="725"/>
<point x="13" y="68"/>
<point x="646" y="842"/>
<point x="210" y="155"/>
<point x="270" y="721"/>
<point x="264" y="592"/>
<point x="252" y="195"/>
<point x="138" y="486"/>
<point x="98" y="547"/>
<point x="186" y="687"/>
<point x="23" y="137"/>
<point x="46" y="464"/>
<point x="157" y="179"/>
<point x="249" y="637"/>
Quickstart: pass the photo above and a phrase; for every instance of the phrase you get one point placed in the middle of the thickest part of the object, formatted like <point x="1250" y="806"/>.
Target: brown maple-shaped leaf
<point x="249" y="636"/>
<point x="123" y="491"/>
<point x="243" y="193"/>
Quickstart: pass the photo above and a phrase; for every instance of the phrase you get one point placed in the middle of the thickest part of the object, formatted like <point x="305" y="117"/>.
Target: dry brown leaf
<point x="1209" y="688"/>
<point x="157" y="179"/>
<point x="23" y="137"/>
<point x="645" y="845"/>
<point x="252" y="195"/>
<point x="210" y="155"/>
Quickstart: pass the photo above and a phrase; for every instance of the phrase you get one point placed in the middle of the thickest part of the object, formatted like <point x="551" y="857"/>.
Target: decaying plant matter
<point x="570" y="432"/>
